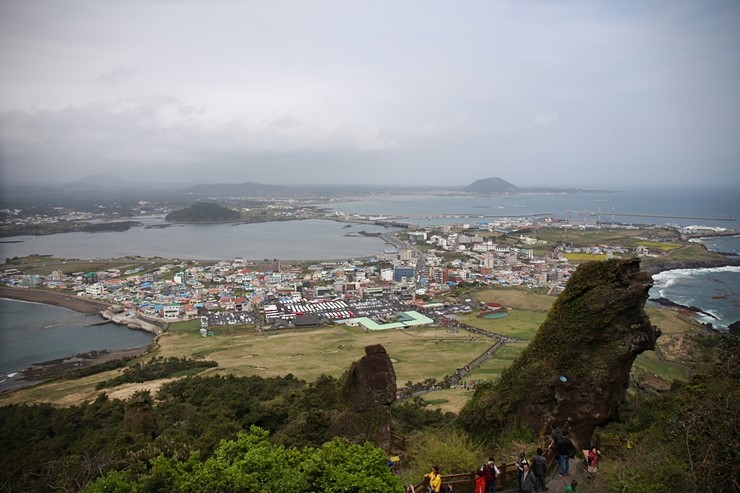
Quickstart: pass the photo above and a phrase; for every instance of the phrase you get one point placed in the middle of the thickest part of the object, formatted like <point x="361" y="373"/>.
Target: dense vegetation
<point x="250" y="463"/>
<point x="689" y="441"/>
<point x="66" y="227"/>
<point x="156" y="368"/>
<point x="203" y="212"/>
<point x="689" y="438"/>
<point x="109" y="365"/>
<point x="68" y="447"/>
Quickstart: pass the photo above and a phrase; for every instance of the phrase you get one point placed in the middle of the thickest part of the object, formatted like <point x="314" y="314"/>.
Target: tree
<point x="250" y="463"/>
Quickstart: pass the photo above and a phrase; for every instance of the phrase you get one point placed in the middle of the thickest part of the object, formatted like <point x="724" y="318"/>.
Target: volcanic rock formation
<point x="369" y="389"/>
<point x="576" y="369"/>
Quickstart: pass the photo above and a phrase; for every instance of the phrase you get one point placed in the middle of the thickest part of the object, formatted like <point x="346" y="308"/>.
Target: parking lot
<point x="211" y="319"/>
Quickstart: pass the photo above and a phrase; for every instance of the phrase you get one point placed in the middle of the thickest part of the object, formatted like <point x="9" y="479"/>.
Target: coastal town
<point x="421" y="268"/>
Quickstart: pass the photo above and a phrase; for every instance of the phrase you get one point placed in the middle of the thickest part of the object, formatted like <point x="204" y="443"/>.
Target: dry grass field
<point x="417" y="354"/>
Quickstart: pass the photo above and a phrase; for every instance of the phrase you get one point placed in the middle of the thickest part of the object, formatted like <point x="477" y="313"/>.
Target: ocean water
<point x="34" y="333"/>
<point x="713" y="290"/>
<point x="723" y="244"/>
<point x="635" y="206"/>
<point x="322" y="239"/>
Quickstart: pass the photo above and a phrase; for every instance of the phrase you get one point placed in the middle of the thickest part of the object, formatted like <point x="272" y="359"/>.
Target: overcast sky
<point x="581" y="93"/>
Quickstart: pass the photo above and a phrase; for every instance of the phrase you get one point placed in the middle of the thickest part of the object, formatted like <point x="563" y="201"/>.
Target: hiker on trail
<point x="490" y="471"/>
<point x="592" y="459"/>
<point x="555" y="434"/>
<point x="526" y="484"/>
<point x="435" y="480"/>
<point x="566" y="451"/>
<point x="520" y="463"/>
<point x="573" y="488"/>
<point x="480" y="482"/>
<point x="539" y="468"/>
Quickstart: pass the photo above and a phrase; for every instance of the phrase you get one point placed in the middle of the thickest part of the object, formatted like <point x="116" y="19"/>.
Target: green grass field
<point x="584" y="257"/>
<point x="522" y="324"/>
<point x="666" y="247"/>
<point x="666" y="370"/>
<point x="672" y="321"/>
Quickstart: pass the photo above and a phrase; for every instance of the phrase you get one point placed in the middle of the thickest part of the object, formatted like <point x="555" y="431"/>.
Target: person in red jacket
<point x="480" y="482"/>
<point x="592" y="459"/>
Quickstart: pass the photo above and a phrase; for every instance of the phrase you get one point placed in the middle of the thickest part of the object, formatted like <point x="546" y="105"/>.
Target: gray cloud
<point x="117" y="75"/>
<point x="427" y="93"/>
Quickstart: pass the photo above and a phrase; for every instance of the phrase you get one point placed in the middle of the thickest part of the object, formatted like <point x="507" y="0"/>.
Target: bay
<point x="33" y="333"/>
<point x="286" y="240"/>
<point x="722" y="244"/>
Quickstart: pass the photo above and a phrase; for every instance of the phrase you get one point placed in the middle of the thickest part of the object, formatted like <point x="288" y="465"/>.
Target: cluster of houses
<point x="427" y="265"/>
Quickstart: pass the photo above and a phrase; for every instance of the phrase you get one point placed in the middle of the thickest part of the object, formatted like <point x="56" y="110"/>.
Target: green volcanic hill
<point x="491" y="185"/>
<point x="203" y="212"/>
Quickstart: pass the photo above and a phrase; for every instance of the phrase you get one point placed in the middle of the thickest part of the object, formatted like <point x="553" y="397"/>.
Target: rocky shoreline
<point x="57" y="368"/>
<point x="729" y="260"/>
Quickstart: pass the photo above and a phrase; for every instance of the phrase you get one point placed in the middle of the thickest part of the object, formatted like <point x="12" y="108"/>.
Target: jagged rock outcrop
<point x="576" y="369"/>
<point x="734" y="328"/>
<point x="368" y="390"/>
<point x="139" y="417"/>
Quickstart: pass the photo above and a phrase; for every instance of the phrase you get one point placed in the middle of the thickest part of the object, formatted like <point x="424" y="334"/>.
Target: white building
<point x="96" y="289"/>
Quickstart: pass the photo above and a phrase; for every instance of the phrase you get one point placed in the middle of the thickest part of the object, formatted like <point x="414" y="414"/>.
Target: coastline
<point x="728" y="260"/>
<point x="45" y="371"/>
<point x="75" y="303"/>
<point x="83" y="305"/>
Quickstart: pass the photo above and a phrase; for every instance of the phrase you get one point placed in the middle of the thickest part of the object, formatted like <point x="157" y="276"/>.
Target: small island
<point x="203" y="212"/>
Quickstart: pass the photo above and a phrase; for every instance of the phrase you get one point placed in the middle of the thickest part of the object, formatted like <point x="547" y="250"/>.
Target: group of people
<point x="531" y="474"/>
<point x="485" y="477"/>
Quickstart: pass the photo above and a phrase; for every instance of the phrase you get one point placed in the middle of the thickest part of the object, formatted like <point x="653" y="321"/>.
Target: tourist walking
<point x="572" y="488"/>
<point x="520" y="463"/>
<point x="480" y="482"/>
<point x="526" y="484"/>
<point x="555" y="435"/>
<point x="566" y="451"/>
<point x="490" y="471"/>
<point x="539" y="469"/>
<point x="435" y="480"/>
<point x="592" y="459"/>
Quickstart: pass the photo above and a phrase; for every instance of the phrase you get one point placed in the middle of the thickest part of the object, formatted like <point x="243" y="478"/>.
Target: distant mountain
<point x="203" y="212"/>
<point x="491" y="185"/>
<point x="246" y="189"/>
<point x="107" y="182"/>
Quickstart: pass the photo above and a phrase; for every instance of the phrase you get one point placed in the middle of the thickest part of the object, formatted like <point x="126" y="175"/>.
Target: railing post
<point x="472" y="481"/>
<point x="502" y="484"/>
